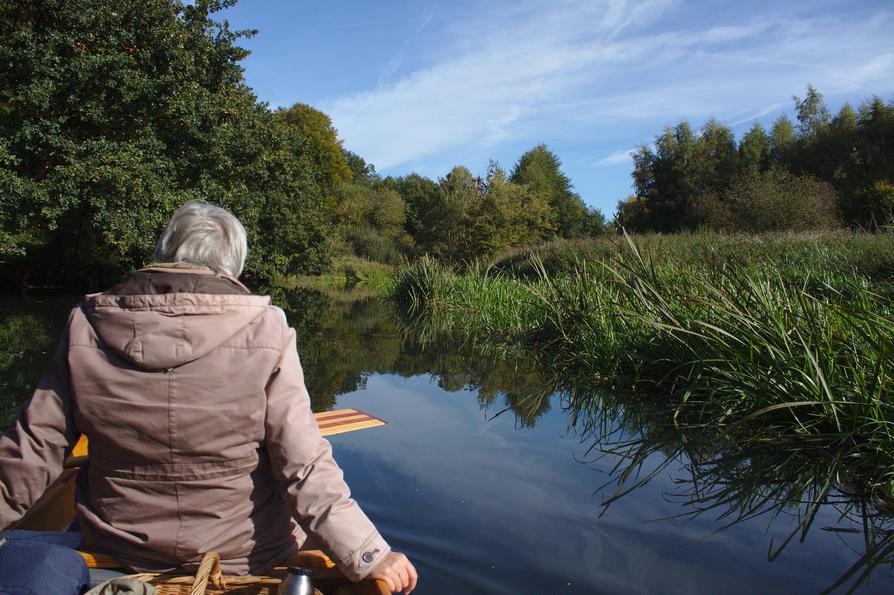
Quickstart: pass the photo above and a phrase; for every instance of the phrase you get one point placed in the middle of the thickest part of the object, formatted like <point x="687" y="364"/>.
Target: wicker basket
<point x="209" y="580"/>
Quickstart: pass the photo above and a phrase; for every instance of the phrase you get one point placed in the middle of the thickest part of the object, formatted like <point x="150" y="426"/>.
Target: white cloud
<point x="575" y="69"/>
<point x="616" y="158"/>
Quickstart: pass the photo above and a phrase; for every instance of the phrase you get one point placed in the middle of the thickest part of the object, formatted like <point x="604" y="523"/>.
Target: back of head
<point x="204" y="234"/>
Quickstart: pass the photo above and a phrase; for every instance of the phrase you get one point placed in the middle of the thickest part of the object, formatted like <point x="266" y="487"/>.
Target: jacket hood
<point x="168" y="330"/>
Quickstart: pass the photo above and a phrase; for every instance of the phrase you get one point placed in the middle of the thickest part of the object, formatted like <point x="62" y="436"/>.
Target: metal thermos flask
<point x="297" y="582"/>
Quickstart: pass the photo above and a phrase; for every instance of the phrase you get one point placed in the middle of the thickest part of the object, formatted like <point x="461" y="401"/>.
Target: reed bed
<point x="792" y="345"/>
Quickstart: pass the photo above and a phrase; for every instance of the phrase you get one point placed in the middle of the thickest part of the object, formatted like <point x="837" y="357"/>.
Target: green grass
<point x="780" y="338"/>
<point x="358" y="275"/>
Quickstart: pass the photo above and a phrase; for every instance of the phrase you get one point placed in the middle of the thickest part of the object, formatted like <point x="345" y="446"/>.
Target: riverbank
<point x="755" y="338"/>
<point x="361" y="277"/>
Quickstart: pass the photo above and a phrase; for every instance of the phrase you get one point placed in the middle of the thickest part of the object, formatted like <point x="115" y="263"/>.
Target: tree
<point x="361" y="171"/>
<point x="873" y="206"/>
<point x="595" y="224"/>
<point x="319" y="141"/>
<point x="772" y="200"/>
<point x="419" y="193"/>
<point x="112" y="115"/>
<point x="813" y="115"/>
<point x="716" y="158"/>
<point x="506" y="214"/>
<point x="754" y="149"/>
<point x="633" y="214"/>
<point x="665" y="181"/>
<point x="446" y="223"/>
<point x="370" y="222"/>
<point x="540" y="170"/>
<point x="782" y="140"/>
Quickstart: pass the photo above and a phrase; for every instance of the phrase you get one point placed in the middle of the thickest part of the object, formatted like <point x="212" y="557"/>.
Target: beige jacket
<point x="201" y="434"/>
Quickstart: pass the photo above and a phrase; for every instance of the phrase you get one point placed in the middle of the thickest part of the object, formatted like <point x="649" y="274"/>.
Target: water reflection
<point x="735" y="480"/>
<point x="29" y="332"/>
<point x="343" y="341"/>
<point x="485" y="507"/>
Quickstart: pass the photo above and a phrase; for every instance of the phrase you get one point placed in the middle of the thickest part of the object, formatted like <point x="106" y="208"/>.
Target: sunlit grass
<point x="796" y="347"/>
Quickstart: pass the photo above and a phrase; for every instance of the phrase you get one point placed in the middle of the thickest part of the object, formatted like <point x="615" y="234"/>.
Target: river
<point x="482" y="479"/>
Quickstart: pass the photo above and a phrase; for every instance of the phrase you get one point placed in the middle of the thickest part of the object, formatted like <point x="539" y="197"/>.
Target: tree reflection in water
<point x="733" y="477"/>
<point x="343" y="340"/>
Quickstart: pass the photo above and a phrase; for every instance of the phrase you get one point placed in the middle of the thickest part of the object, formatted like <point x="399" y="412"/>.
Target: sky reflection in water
<point x="486" y="507"/>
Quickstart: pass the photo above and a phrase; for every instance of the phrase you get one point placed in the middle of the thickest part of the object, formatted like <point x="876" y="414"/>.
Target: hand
<point x="397" y="571"/>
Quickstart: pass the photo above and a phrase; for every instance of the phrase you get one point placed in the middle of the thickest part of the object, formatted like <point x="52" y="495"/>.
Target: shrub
<point x="368" y="243"/>
<point x="772" y="200"/>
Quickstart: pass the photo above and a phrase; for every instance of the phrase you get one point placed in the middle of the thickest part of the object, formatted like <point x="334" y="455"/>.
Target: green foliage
<point x="420" y="195"/>
<point x="782" y="140"/>
<point x="361" y="172"/>
<point x="687" y="180"/>
<point x="786" y="342"/>
<point x="663" y="180"/>
<point x="370" y="222"/>
<point x="754" y="150"/>
<point x="115" y="114"/>
<point x="875" y="205"/>
<point x="446" y="233"/>
<point x="318" y="141"/>
<point x="813" y="115"/>
<point x="539" y="170"/>
<point x="506" y="214"/>
<point x="772" y="200"/>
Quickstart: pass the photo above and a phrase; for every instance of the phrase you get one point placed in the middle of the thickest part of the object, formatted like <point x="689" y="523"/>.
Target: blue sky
<point x="423" y="86"/>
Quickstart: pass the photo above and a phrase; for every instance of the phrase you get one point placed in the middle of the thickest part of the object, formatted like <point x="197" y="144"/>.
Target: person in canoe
<point x="191" y="393"/>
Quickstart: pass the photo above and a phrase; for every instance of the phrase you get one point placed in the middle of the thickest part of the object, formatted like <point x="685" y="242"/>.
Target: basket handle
<point x="209" y="569"/>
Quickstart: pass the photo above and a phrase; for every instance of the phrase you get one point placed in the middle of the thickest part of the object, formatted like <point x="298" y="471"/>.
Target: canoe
<point x="55" y="511"/>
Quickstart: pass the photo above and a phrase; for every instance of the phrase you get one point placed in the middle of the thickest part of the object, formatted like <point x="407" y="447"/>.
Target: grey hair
<point x="204" y="234"/>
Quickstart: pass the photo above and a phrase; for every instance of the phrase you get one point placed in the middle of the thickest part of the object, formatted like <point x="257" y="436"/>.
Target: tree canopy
<point x="114" y="114"/>
<point x="539" y="170"/>
<point x="845" y="162"/>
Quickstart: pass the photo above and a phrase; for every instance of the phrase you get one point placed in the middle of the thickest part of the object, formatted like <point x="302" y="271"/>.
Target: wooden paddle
<point x="331" y="423"/>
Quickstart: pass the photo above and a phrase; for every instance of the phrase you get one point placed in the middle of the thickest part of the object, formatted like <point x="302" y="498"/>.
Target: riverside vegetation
<point x="753" y="340"/>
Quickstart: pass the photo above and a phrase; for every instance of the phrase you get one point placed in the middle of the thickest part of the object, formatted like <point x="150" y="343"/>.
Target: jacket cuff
<point x="361" y="562"/>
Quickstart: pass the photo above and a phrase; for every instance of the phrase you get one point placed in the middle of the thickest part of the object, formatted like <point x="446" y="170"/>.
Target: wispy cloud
<point x="574" y="69"/>
<point x="616" y="158"/>
<point x="378" y="22"/>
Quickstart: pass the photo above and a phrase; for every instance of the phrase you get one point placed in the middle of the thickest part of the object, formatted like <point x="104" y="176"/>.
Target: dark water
<point x="483" y="481"/>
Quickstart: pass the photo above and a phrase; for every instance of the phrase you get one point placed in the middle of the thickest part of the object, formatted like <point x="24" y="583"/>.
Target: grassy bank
<point x="782" y="338"/>
<point x="359" y="275"/>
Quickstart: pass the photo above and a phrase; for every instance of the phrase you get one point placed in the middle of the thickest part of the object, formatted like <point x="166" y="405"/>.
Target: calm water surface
<point x="480" y="478"/>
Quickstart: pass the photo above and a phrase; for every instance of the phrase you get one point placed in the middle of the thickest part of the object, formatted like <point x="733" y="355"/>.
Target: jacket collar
<point x="188" y="267"/>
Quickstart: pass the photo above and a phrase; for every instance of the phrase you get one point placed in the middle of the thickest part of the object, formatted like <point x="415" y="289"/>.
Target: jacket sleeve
<point x="33" y="450"/>
<point x="302" y="460"/>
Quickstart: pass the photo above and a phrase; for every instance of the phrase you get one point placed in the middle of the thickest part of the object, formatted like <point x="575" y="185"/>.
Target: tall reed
<point x="793" y="348"/>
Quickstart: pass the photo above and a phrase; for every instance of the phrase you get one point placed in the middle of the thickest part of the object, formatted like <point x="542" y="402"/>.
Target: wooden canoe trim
<point x="315" y="559"/>
<point x="97" y="560"/>
<point x="331" y="423"/>
<point x="349" y="418"/>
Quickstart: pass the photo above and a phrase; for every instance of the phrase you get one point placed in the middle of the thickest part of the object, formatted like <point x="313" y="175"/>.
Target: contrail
<point x="381" y="22"/>
<point x="390" y="68"/>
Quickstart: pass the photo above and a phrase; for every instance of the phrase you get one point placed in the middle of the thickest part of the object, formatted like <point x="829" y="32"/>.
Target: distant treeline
<point x="822" y="172"/>
<point x="460" y="217"/>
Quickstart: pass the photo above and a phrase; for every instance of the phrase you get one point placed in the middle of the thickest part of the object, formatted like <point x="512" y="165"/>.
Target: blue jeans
<point x="41" y="562"/>
<point x="65" y="539"/>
